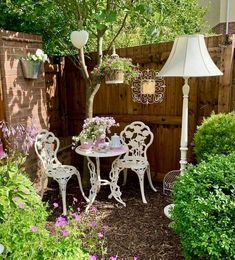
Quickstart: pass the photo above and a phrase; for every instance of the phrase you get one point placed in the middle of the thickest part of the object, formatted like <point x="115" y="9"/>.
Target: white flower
<point x="1" y="248"/>
<point x="39" y="56"/>
<point x="39" y="52"/>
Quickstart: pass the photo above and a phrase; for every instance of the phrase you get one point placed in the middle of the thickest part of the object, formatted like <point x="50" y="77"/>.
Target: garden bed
<point x="135" y="230"/>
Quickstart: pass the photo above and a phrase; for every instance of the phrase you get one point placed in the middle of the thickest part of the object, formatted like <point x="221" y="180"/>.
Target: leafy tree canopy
<point x="127" y="22"/>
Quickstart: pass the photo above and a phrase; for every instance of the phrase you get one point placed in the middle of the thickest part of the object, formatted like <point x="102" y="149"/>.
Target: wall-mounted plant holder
<point x="30" y="69"/>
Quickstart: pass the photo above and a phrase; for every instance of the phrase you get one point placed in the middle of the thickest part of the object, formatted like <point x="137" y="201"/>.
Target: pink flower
<point x="15" y="199"/>
<point x="60" y="221"/>
<point x="64" y="232"/>
<point x="26" y="191"/>
<point x="21" y="205"/>
<point x="113" y="258"/>
<point x="93" y="209"/>
<point x="76" y="217"/>
<point x="135" y="258"/>
<point x="56" y="205"/>
<point x="34" y="229"/>
<point x="105" y="227"/>
<point x="100" y="235"/>
<point x="93" y="223"/>
<point x="92" y="257"/>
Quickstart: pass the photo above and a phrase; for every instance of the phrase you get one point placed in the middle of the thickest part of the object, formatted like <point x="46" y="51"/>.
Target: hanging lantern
<point x="148" y="87"/>
<point x="79" y="38"/>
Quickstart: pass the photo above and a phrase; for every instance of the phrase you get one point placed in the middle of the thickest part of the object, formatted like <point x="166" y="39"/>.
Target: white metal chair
<point x="138" y="137"/>
<point x="46" y="147"/>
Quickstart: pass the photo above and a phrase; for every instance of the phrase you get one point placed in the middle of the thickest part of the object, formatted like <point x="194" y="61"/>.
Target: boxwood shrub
<point x="204" y="212"/>
<point x="216" y="135"/>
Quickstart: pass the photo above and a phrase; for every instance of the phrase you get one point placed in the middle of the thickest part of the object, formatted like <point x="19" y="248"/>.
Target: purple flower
<point x="21" y="205"/>
<point x="135" y="258"/>
<point x="76" y="217"/>
<point x="92" y="257"/>
<point x="113" y="258"/>
<point x="26" y="191"/>
<point x="64" y="232"/>
<point x="93" y="209"/>
<point x="56" y="205"/>
<point x="100" y="235"/>
<point x="93" y="223"/>
<point x="34" y="228"/>
<point x="105" y="227"/>
<point x="78" y="209"/>
<point x="15" y="199"/>
<point x="60" y="221"/>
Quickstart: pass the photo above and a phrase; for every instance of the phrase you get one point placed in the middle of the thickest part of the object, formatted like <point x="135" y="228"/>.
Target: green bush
<point x="216" y="135"/>
<point x="204" y="212"/>
<point x="23" y="221"/>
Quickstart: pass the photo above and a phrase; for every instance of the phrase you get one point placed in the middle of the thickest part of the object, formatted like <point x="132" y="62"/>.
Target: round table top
<point x="109" y="152"/>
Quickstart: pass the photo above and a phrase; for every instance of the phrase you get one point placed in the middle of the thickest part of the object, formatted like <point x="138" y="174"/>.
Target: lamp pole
<point x="184" y="126"/>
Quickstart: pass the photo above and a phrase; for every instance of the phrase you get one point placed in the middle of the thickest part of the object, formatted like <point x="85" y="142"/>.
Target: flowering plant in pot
<point x="32" y="63"/>
<point x="94" y="130"/>
<point x="115" y="70"/>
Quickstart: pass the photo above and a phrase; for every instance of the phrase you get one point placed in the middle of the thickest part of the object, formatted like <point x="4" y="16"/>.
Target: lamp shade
<point x="189" y="57"/>
<point x="79" y="38"/>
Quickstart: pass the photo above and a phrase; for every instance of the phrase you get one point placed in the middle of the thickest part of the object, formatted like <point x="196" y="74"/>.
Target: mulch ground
<point x="138" y="229"/>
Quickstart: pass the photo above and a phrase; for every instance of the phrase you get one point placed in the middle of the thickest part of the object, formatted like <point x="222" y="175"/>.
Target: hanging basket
<point x="115" y="76"/>
<point x="30" y="69"/>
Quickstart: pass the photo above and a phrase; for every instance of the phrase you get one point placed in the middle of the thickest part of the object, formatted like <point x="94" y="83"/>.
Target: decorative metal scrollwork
<point x="148" y="87"/>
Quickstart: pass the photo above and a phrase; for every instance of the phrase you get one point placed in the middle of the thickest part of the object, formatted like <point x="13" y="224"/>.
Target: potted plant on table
<point x="32" y="63"/>
<point x="94" y="131"/>
<point x="116" y="70"/>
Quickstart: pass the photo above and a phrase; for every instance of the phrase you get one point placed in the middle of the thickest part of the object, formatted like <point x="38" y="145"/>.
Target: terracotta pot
<point x="115" y="76"/>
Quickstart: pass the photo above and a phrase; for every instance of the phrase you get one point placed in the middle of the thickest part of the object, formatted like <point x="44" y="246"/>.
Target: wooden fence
<point x="66" y="97"/>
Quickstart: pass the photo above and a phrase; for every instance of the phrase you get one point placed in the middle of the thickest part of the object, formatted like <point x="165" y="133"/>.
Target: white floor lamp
<point x="189" y="57"/>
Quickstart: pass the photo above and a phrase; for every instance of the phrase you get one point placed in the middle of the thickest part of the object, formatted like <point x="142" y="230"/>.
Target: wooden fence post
<point x="225" y="81"/>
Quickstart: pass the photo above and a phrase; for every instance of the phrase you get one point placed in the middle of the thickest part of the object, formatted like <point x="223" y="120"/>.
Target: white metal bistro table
<point x="94" y="169"/>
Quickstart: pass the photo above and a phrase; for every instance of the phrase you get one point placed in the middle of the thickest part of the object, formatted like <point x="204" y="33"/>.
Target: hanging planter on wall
<point x="115" y="70"/>
<point x="30" y="69"/>
<point x="114" y="76"/>
<point x="32" y="63"/>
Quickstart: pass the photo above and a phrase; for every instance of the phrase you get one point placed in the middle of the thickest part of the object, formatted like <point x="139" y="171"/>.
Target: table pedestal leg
<point x="94" y="180"/>
<point x="115" y="189"/>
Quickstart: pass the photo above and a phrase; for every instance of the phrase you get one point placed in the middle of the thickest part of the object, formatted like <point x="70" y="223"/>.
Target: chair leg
<point x="124" y="177"/>
<point x="150" y="179"/>
<point x="141" y="181"/>
<point x="43" y="179"/>
<point x="80" y="186"/>
<point x="63" y="184"/>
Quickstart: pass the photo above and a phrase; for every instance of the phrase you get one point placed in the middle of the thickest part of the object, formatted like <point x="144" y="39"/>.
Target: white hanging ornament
<point x="79" y="38"/>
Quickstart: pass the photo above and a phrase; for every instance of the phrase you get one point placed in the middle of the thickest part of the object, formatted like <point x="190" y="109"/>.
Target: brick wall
<point x="221" y="28"/>
<point x="23" y="99"/>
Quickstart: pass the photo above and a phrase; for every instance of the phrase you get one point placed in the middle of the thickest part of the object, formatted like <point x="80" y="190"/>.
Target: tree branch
<point x="118" y="32"/>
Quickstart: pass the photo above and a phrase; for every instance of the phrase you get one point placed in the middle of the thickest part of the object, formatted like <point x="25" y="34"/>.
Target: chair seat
<point x="60" y="172"/>
<point x="133" y="163"/>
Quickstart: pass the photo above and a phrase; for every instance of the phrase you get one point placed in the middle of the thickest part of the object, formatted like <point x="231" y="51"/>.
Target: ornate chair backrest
<point x="138" y="137"/>
<point x="46" y="147"/>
